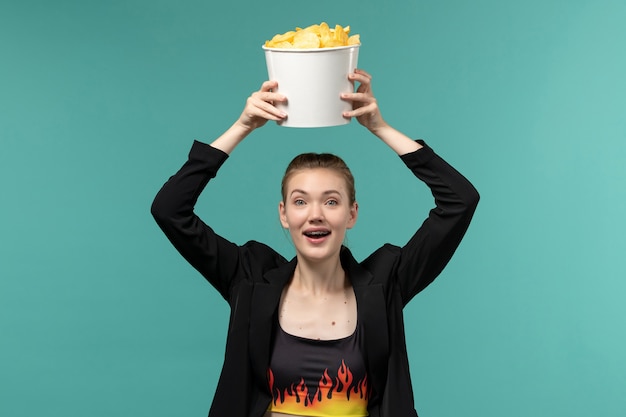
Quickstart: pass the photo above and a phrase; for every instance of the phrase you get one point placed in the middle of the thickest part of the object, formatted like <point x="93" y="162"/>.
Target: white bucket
<point x="312" y="80"/>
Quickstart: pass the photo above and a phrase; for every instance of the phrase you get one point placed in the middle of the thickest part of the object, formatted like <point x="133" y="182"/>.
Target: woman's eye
<point x="298" y="202"/>
<point x="332" y="202"/>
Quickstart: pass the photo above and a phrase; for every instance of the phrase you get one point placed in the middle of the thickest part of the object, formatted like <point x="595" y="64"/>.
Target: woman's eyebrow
<point x="327" y="192"/>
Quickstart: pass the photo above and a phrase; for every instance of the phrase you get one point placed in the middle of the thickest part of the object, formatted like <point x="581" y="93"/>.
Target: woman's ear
<point x="354" y="214"/>
<point x="282" y="215"/>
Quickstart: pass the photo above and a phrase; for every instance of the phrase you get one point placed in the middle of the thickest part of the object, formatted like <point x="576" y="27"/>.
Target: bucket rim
<point x="309" y="50"/>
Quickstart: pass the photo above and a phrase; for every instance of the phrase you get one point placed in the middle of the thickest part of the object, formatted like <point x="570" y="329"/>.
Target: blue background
<point x="99" y="104"/>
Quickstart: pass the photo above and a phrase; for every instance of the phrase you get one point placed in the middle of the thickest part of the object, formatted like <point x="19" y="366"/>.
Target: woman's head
<point x="318" y="205"/>
<point x="320" y="160"/>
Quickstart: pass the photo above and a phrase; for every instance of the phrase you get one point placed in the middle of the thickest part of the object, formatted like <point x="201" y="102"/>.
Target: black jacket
<point x="251" y="278"/>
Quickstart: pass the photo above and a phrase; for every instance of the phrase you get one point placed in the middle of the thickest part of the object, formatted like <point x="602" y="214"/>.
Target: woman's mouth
<point x="316" y="235"/>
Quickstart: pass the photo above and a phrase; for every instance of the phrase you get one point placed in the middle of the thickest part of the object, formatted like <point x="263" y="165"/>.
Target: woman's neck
<point x="320" y="277"/>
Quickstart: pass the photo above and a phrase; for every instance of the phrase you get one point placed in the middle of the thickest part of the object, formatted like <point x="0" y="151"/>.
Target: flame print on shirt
<point x="338" y="396"/>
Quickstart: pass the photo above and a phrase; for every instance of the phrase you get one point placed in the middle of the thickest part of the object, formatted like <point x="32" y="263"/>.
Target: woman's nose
<point x="316" y="213"/>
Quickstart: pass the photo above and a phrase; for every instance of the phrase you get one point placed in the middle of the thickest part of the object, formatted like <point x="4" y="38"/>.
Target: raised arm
<point x="429" y="250"/>
<point x="217" y="259"/>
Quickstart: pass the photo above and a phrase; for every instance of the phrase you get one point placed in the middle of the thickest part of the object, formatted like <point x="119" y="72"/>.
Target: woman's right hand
<point x="260" y="107"/>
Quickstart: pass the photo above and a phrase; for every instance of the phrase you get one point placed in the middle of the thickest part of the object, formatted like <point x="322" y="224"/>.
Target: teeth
<point x="316" y="234"/>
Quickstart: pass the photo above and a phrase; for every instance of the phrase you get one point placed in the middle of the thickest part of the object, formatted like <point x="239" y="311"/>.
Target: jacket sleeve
<point x="428" y="251"/>
<point x="214" y="257"/>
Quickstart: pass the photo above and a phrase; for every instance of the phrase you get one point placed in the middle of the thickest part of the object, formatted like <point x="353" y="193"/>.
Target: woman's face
<point x="317" y="211"/>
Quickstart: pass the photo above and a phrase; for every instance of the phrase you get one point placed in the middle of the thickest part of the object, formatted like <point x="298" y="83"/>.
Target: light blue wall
<point x="99" y="103"/>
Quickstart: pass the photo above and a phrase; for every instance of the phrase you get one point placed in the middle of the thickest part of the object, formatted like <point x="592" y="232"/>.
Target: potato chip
<point x="306" y="40"/>
<point x="340" y="36"/>
<point x="283" y="45"/>
<point x="354" y="40"/>
<point x="314" y="36"/>
<point x="285" y="37"/>
<point x="325" y="35"/>
<point x="313" y="29"/>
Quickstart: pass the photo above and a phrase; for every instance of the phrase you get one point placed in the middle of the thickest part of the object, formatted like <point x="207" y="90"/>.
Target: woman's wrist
<point x="396" y="140"/>
<point x="229" y="140"/>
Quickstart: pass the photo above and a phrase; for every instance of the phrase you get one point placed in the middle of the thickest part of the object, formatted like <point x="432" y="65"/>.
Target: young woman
<point x="322" y="334"/>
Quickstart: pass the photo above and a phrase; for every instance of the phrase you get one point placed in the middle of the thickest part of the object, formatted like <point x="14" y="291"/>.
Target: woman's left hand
<point x="364" y="104"/>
